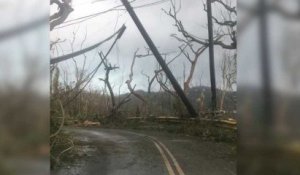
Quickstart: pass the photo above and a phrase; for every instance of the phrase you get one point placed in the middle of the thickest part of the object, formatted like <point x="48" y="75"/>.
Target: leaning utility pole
<point x="160" y="60"/>
<point x="211" y="57"/>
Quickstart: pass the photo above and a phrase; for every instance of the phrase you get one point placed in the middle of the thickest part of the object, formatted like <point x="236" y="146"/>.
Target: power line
<point x="115" y="8"/>
<point x="74" y="54"/>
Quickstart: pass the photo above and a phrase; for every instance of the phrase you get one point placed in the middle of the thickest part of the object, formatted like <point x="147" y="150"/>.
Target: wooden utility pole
<point x="211" y="57"/>
<point x="160" y="60"/>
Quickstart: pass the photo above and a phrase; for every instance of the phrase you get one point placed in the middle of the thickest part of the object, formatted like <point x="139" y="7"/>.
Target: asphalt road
<point x="120" y="152"/>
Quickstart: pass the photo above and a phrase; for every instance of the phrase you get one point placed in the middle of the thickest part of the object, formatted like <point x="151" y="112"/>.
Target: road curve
<point x="121" y="152"/>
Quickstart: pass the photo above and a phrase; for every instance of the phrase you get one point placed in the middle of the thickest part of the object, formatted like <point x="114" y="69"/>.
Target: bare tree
<point x="229" y="71"/>
<point x="224" y="36"/>
<point x="227" y="27"/>
<point x="151" y="79"/>
<point x="193" y="62"/>
<point x="145" y="105"/>
<point x="128" y="82"/>
<point x="108" y="68"/>
<point x="193" y="46"/>
<point x="158" y="76"/>
<point x="201" y="101"/>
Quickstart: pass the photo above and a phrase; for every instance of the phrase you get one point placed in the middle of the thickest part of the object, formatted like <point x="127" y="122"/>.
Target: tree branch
<point x="64" y="10"/>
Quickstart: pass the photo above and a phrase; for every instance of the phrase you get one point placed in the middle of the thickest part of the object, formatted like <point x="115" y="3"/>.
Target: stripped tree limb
<point x="128" y="82"/>
<point x="65" y="150"/>
<point x="192" y="59"/>
<point x="158" y="76"/>
<point x="125" y="100"/>
<point x="151" y="79"/>
<point x="226" y="6"/>
<point x="193" y="62"/>
<point x="64" y="10"/>
<point x="225" y="23"/>
<point x="192" y="38"/>
<point x="163" y="83"/>
<point x="108" y="68"/>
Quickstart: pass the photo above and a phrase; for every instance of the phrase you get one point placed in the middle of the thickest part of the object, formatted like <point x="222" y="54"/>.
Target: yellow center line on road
<point x="176" y="164"/>
<point x="162" y="149"/>
<point x="165" y="159"/>
<point x="173" y="159"/>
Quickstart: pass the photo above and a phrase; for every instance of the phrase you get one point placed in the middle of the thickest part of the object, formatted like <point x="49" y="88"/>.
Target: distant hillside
<point x="229" y="100"/>
<point x="163" y="103"/>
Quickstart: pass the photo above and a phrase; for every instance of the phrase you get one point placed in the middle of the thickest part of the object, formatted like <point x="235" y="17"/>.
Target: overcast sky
<point x="16" y="69"/>
<point x="157" y="23"/>
<point x="35" y="44"/>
